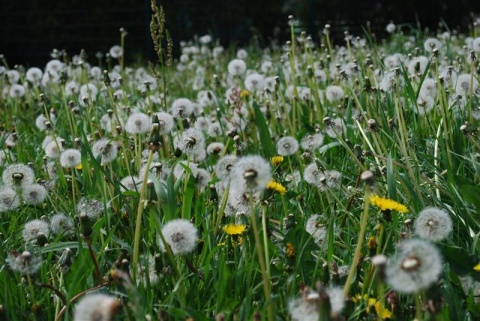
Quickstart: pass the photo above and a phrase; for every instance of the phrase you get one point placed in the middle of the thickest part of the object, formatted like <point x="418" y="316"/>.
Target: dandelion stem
<point x="138" y="225"/>
<point x="361" y="236"/>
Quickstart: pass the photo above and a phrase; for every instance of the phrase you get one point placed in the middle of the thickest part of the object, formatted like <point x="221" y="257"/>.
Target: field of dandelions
<point x="306" y="181"/>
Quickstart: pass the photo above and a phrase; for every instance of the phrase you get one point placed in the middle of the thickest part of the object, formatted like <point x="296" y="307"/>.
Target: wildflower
<point x="224" y="166"/>
<point x="391" y="27"/>
<point x="215" y="148"/>
<point x="237" y="67"/>
<point x="287" y="146"/>
<point x="70" y="158"/>
<point x="277" y="187"/>
<point x="276" y="160"/>
<point x="16" y="175"/>
<point x="25" y="263"/>
<point x="244" y="94"/>
<point x="313" y="175"/>
<point x="34" y="194"/>
<point x="34" y="75"/>
<point x="477" y="267"/>
<point x="317" y="230"/>
<point x="335" y="128"/>
<point x="92" y="208"/>
<point x="233" y="229"/>
<point x="386" y="204"/>
<point x="61" y="224"/>
<point x="9" y="199"/>
<point x="290" y="250"/>
<point x="416" y="266"/>
<point x="254" y="82"/>
<point x="138" y="123"/>
<point x="13" y="76"/>
<point x="89" y="90"/>
<point x="214" y="129"/>
<point x="433" y="224"/>
<point x="250" y="173"/>
<point x="72" y="88"/>
<point x="242" y="54"/>
<point x="417" y="65"/>
<point x="182" y="108"/>
<point x="432" y="43"/>
<point x="165" y="123"/>
<point x="96" y="307"/>
<point x="180" y="235"/>
<point x="106" y="150"/>
<point x="17" y="91"/>
<point x="35" y="229"/>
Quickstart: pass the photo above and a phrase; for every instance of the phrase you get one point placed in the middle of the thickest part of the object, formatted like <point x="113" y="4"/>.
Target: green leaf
<point x="263" y="131"/>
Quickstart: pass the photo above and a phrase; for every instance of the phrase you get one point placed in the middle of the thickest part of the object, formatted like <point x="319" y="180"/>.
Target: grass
<point x="421" y="151"/>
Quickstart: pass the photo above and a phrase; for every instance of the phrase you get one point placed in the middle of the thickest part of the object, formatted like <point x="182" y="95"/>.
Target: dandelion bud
<point x="372" y="125"/>
<point x="86" y="226"/>
<point x="368" y="177"/>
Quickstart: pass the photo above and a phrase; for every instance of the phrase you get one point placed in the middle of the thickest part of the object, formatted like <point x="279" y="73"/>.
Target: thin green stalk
<point x="358" y="248"/>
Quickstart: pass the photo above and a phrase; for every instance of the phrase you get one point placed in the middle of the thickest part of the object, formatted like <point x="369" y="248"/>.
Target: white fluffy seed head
<point x="70" y="158"/>
<point x="34" y="229"/>
<point x="96" y="307"/>
<point x="433" y="224"/>
<point x="34" y="194"/>
<point x="181" y="235"/>
<point x="17" y="175"/>
<point x="138" y="123"/>
<point x="250" y="173"/>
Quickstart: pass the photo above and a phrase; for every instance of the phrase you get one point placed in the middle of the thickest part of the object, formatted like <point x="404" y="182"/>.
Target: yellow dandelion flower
<point x="382" y="312"/>
<point x="277" y="187"/>
<point x="244" y="93"/>
<point x="233" y="229"/>
<point x="477" y="267"/>
<point x="386" y="204"/>
<point x="290" y="250"/>
<point x="79" y="167"/>
<point x="372" y="242"/>
<point x="276" y="160"/>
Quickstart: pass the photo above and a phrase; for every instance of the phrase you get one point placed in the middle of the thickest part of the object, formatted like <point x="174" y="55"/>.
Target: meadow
<point x="307" y="180"/>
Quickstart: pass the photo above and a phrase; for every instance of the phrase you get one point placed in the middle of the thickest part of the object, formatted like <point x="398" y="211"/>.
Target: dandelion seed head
<point x="287" y="146"/>
<point x="60" y="224"/>
<point x="181" y="235"/>
<point x="70" y="158"/>
<point x="250" y="173"/>
<point x="334" y="93"/>
<point x="34" y="229"/>
<point x="191" y="140"/>
<point x="165" y="122"/>
<point x="138" y="123"/>
<point x="96" y="307"/>
<point x="26" y="263"/>
<point x="312" y="142"/>
<point x="433" y="224"/>
<point x="237" y="67"/>
<point x="224" y="166"/>
<point x="91" y="207"/>
<point x="16" y="175"/>
<point x="416" y="265"/>
<point x="34" y="194"/>
<point x="317" y="230"/>
<point x="105" y="149"/>
<point x="182" y="108"/>
<point x="254" y="82"/>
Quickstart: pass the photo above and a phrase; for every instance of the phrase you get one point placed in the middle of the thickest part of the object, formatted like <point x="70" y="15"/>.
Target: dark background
<point x="29" y="30"/>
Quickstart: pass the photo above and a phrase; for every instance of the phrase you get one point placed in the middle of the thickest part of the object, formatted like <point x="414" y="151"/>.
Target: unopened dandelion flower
<point x="34" y="194"/>
<point x="290" y="252"/>
<point x="70" y="158"/>
<point x="96" y="307"/>
<point x="181" y="235"/>
<point x="287" y="146"/>
<point x="233" y="229"/>
<point x="16" y="175"/>
<point x="237" y="67"/>
<point x="250" y="173"/>
<point x="433" y="224"/>
<point x="26" y="263"/>
<point x="60" y="224"/>
<point x="106" y="150"/>
<point x="34" y="229"/>
<point x="386" y="204"/>
<point x="182" y="108"/>
<point x="138" y="123"/>
<point x="277" y="187"/>
<point x="416" y="265"/>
